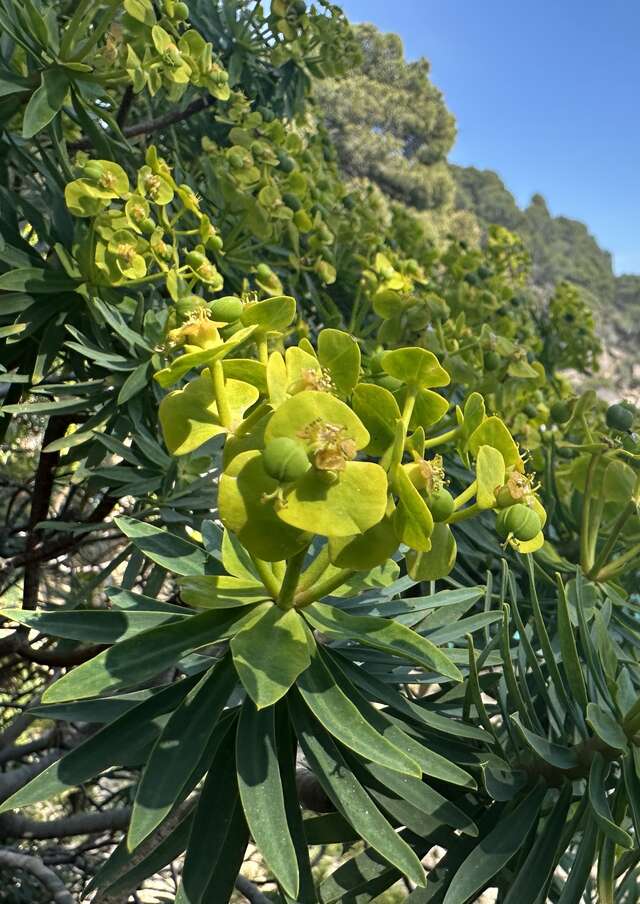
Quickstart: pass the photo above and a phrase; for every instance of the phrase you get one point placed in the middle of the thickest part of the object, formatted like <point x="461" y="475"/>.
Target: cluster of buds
<point x="314" y="448"/>
<point x="135" y="235"/>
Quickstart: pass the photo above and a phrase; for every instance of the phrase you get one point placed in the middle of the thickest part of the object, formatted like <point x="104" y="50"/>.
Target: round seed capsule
<point x="285" y="460"/>
<point x="93" y="170"/>
<point x="196" y="259"/>
<point x="619" y="417"/>
<point x="292" y="201"/>
<point x="440" y="504"/>
<point x="560" y="412"/>
<point x="518" y="521"/>
<point x="491" y="361"/>
<point x="226" y="309"/>
<point x="287" y="164"/>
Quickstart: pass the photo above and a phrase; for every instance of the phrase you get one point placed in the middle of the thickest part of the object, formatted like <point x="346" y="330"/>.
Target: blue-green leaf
<point x="261" y="793"/>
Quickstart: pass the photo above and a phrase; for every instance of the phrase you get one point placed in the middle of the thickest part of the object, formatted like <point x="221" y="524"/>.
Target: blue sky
<point x="545" y="92"/>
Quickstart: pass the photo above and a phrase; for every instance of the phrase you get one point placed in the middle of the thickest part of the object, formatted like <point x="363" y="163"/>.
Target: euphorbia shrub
<point x="333" y="546"/>
<point x="324" y="489"/>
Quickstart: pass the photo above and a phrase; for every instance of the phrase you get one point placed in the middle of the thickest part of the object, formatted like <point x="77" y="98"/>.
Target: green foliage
<point x="390" y="124"/>
<point x="364" y="517"/>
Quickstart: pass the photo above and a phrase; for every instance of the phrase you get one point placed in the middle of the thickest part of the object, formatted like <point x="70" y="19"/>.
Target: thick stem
<point x="585" y="533"/>
<point x="618" y="565"/>
<point x="247" y="425"/>
<point x="466" y="495"/>
<point x="40" y="502"/>
<point x="267" y="577"/>
<point x="154" y="125"/>
<point x="607" y="549"/>
<point x="409" y="404"/>
<point x="290" y="581"/>
<point x="443" y="438"/>
<point x="263" y="350"/>
<point x="316" y="569"/>
<point x="322" y="588"/>
<point x="56" y="891"/>
<point x="463" y="514"/>
<point x="222" y="403"/>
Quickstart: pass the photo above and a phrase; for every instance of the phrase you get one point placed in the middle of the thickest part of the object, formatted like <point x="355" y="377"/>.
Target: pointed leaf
<point x="130" y="732"/>
<point x="600" y="803"/>
<point x="544" y="855"/>
<point x="45" y="102"/>
<point x="382" y="634"/>
<point x="348" y="795"/>
<point x="167" y="549"/>
<point x="216" y="846"/>
<point x="178" y="750"/>
<point x="341" y="717"/>
<point x="495" y="850"/>
<point x="105" y="626"/>
<point x="261" y="793"/>
<point x="139" y="658"/>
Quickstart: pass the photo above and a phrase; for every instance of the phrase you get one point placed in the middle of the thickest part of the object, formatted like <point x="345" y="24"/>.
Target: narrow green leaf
<point x="270" y="652"/>
<point x="135" y="382"/>
<point x="605" y="879"/>
<point x="261" y="793"/>
<point x="216" y="845"/>
<point x="127" y="599"/>
<point x="115" y="320"/>
<point x="544" y="855"/>
<point x="554" y="754"/>
<point x="172" y="552"/>
<point x="424" y="798"/>
<point x="287" y="759"/>
<point x="36" y="280"/>
<point x="100" y="626"/>
<point x="115" y="867"/>
<point x="348" y="794"/>
<point x="383" y="693"/>
<point x="45" y="102"/>
<point x="449" y="633"/>
<point x="495" y="850"/>
<point x="178" y="750"/>
<point x="343" y="720"/>
<point x="145" y="655"/>
<point x="543" y="637"/>
<point x="431" y="763"/>
<point x="104" y="710"/>
<point x="600" y="803"/>
<point x="606" y="727"/>
<point x="473" y="693"/>
<point x="119" y="739"/>
<point x="570" y="660"/>
<point x="361" y="879"/>
<point x="582" y="865"/>
<point x="329" y="828"/>
<point x="632" y="785"/>
<point x="10" y="83"/>
<point x="382" y="634"/>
